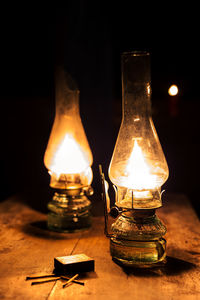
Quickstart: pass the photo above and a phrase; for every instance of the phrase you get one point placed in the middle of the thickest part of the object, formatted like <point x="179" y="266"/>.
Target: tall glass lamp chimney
<point x="68" y="159"/>
<point x="138" y="169"/>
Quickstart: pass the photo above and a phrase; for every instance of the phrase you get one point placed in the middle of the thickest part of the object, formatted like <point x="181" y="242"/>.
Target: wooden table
<point x="28" y="248"/>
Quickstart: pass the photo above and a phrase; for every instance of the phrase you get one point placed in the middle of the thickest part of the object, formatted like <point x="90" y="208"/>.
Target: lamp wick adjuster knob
<point x="115" y="211"/>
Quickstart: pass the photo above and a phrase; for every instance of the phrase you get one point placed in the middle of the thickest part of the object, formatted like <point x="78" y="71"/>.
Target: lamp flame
<point x="138" y="173"/>
<point x="69" y="158"/>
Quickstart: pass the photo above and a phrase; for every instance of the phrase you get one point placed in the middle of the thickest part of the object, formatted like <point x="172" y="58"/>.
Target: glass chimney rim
<point x="135" y="53"/>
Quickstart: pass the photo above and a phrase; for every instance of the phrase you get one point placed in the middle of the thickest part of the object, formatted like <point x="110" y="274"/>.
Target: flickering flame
<point x="173" y="90"/>
<point x="138" y="173"/>
<point x="69" y="158"/>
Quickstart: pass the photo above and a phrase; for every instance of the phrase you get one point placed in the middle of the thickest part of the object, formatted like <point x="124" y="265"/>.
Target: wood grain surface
<point x="28" y="248"/>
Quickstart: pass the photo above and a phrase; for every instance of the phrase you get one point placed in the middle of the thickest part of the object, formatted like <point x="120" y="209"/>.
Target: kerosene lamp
<point x="138" y="169"/>
<point x="68" y="159"/>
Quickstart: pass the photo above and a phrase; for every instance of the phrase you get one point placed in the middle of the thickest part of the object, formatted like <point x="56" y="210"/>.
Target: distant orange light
<point x="173" y="90"/>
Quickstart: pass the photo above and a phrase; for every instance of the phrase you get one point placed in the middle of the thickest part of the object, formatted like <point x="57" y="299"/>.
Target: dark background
<point x="88" y="38"/>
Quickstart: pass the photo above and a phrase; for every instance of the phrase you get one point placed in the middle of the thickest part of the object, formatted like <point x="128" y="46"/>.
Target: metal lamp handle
<point x="106" y="200"/>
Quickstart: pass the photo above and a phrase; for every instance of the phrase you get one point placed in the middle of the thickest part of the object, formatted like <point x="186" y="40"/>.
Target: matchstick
<point x="75" y="281"/>
<point x="42" y="276"/>
<point x="70" y="280"/>
<point x="44" y="281"/>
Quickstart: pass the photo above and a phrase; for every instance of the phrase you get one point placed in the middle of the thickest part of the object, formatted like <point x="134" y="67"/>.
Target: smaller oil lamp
<point x="138" y="169"/>
<point x="68" y="159"/>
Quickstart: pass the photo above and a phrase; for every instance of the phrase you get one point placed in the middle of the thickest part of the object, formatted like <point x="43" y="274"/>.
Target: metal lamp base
<point x="69" y="213"/>
<point x="137" y="239"/>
